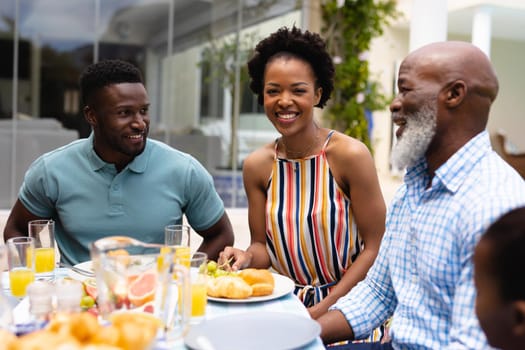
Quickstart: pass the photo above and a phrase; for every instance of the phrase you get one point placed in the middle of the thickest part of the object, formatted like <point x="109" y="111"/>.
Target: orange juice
<point x="183" y="255"/>
<point x="19" y="278"/>
<point x="198" y="300"/>
<point x="44" y="260"/>
<point x="160" y="259"/>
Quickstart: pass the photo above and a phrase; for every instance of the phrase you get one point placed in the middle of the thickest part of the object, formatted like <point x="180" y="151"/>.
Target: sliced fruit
<point x="149" y="307"/>
<point x="94" y="311"/>
<point x="142" y="289"/>
<point x="118" y="252"/>
<point x="121" y="255"/>
<point x="87" y="302"/>
<point x="90" y="287"/>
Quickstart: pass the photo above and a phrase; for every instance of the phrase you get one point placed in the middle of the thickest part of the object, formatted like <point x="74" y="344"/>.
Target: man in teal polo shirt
<point x="117" y="181"/>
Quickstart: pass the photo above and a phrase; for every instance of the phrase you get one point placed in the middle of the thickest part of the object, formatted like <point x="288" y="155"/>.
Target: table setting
<point x="131" y="278"/>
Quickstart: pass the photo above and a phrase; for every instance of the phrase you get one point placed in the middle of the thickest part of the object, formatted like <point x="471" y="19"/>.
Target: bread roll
<point x="261" y="289"/>
<point x="261" y="281"/>
<point x="44" y="339"/>
<point x="231" y="287"/>
<point x="81" y="331"/>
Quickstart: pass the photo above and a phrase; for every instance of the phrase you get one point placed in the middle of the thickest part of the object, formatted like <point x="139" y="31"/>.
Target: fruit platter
<point x="139" y="294"/>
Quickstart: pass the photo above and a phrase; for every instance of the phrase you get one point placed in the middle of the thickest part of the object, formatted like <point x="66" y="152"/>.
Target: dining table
<point x="286" y="305"/>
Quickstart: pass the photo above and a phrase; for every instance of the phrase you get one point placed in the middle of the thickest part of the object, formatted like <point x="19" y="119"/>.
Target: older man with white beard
<point x="454" y="187"/>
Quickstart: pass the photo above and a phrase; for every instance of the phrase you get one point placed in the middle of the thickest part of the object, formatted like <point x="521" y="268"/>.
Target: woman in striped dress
<point x="315" y="208"/>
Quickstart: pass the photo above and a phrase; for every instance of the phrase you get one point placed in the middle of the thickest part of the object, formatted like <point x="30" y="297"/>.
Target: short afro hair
<point x="307" y="46"/>
<point x="506" y="237"/>
<point x="104" y="73"/>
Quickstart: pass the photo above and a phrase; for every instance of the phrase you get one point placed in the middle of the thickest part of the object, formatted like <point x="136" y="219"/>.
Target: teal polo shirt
<point x="89" y="200"/>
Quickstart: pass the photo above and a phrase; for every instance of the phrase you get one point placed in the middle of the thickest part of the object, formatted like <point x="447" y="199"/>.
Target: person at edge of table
<point x="117" y="181"/>
<point x="499" y="259"/>
<point x="454" y="188"/>
<point x="315" y="208"/>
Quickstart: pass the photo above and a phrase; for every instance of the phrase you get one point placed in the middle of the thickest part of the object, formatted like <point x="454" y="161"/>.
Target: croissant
<point x="261" y="281"/>
<point x="231" y="287"/>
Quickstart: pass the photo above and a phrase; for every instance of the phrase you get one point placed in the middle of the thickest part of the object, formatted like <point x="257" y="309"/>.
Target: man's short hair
<point x="104" y="73"/>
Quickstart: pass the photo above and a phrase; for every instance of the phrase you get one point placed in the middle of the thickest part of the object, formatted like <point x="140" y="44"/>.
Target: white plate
<point x="254" y="331"/>
<point x="283" y="286"/>
<point x="86" y="265"/>
<point x="137" y="264"/>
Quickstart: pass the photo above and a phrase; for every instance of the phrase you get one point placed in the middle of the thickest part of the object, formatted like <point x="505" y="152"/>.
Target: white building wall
<point x="178" y="93"/>
<point x="386" y="53"/>
<point x="507" y="112"/>
<point x="506" y="55"/>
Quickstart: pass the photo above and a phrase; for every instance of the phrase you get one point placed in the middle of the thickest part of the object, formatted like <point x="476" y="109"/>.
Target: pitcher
<point x="137" y="276"/>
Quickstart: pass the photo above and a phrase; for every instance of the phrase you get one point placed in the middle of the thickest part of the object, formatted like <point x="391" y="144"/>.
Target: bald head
<point x="457" y="60"/>
<point x="447" y="89"/>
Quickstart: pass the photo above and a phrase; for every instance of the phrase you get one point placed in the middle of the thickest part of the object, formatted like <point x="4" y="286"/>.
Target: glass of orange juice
<point x="21" y="263"/>
<point x="43" y="233"/>
<point x="178" y="238"/>
<point x="198" y="279"/>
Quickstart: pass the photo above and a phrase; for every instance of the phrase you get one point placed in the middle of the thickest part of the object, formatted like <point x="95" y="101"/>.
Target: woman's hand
<point x="317" y="310"/>
<point x="234" y="258"/>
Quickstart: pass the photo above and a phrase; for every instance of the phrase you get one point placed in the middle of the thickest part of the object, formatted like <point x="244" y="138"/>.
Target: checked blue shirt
<point x="423" y="274"/>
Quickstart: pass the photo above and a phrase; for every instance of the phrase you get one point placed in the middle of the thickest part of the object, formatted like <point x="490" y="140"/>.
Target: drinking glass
<point x="21" y="264"/>
<point x="178" y="237"/>
<point x="139" y="276"/>
<point x="43" y="233"/>
<point x="198" y="264"/>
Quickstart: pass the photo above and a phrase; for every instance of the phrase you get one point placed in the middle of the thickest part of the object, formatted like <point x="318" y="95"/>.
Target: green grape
<point x="203" y="268"/>
<point x="212" y="267"/>
<point x="220" y="272"/>
<point x="87" y="302"/>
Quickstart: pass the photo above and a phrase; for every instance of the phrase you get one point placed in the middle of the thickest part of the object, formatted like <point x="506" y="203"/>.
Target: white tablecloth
<point x="288" y="304"/>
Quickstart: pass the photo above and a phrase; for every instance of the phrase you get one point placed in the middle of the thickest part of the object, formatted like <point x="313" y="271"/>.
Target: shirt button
<point x="116" y="187"/>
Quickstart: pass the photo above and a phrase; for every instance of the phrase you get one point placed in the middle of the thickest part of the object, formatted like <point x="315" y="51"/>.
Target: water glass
<point x="21" y="264"/>
<point x="43" y="233"/>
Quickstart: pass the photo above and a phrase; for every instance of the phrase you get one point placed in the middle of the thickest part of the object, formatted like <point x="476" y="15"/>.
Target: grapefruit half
<point x="142" y="289"/>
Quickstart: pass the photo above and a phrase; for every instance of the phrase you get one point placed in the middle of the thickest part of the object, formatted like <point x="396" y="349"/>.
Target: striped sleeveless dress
<point x="311" y="234"/>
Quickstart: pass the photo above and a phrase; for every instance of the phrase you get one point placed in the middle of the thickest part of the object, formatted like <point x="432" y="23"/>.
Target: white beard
<point x="419" y="131"/>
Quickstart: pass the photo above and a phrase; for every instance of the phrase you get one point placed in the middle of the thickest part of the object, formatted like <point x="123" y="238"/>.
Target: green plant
<point x="348" y="30"/>
<point x="221" y="53"/>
